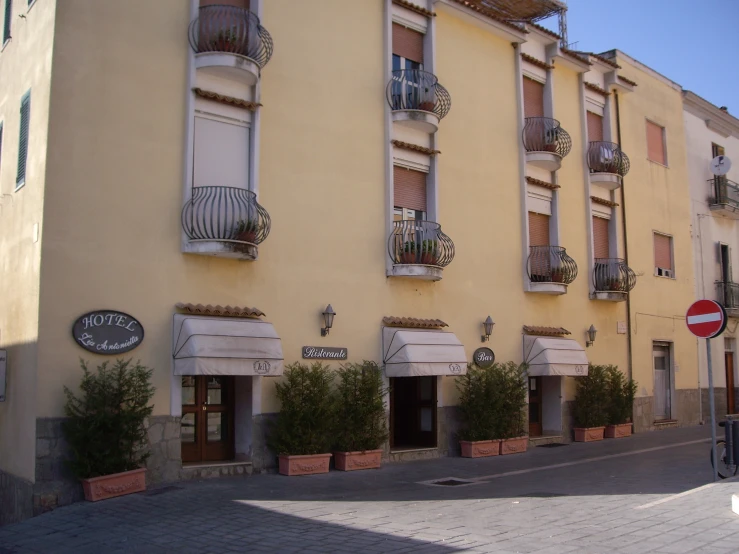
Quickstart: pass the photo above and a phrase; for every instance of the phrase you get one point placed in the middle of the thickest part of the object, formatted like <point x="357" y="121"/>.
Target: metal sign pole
<point x="713" y="411"/>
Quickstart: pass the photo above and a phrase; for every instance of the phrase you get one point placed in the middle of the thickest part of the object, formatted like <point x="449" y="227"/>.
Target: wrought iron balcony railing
<point x="544" y="134"/>
<point x="551" y="264"/>
<point x="232" y="30"/>
<point x="607" y="157"/>
<point x="414" y="89"/>
<point x="420" y="242"/>
<point x="227" y="214"/>
<point x="613" y="275"/>
<point x="727" y="294"/>
<point x="724" y="192"/>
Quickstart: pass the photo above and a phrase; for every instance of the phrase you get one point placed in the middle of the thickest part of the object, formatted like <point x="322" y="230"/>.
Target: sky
<point x="694" y="43"/>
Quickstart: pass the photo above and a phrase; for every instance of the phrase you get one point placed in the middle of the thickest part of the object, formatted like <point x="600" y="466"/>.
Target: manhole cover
<point x="551" y="445"/>
<point x="451" y="483"/>
<point x="544" y="494"/>
<point x="161" y="490"/>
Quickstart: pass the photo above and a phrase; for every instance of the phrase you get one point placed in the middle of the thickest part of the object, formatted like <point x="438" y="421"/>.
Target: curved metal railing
<point x="414" y="89"/>
<point x="724" y="192"/>
<point x="420" y="242"/>
<point x="613" y="275"/>
<point x="551" y="264"/>
<point x="227" y="214"/>
<point x="607" y="157"/>
<point x="233" y="30"/>
<point x="544" y="134"/>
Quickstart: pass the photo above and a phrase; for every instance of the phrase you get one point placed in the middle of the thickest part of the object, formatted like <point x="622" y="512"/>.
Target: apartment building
<point x="201" y="172"/>
<point x="712" y="132"/>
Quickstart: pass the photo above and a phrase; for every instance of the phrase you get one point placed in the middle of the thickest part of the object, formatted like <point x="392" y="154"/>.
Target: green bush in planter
<point x="360" y="408"/>
<point x="306" y="419"/>
<point x="512" y="381"/>
<point x="105" y="426"/>
<point x="621" y="395"/>
<point x="592" y="398"/>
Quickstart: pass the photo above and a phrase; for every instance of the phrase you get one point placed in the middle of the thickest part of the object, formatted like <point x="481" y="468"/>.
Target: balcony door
<point x="729" y="369"/>
<point x="207" y="427"/>
<point x="413" y="412"/>
<point x="662" y="381"/>
<point x="221" y="156"/>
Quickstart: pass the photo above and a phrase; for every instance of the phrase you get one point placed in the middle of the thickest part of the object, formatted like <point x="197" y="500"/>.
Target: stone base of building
<point x="720" y="399"/>
<point x="685" y="412"/>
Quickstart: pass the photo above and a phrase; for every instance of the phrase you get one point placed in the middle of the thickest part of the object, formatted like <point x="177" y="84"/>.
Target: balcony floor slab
<point x="548" y="288"/>
<point x="417" y="119"/>
<point x="229" y="66"/>
<point x="610" y="296"/>
<point x="551" y="161"/>
<point x="222" y="249"/>
<point x="727" y="210"/>
<point x="418" y="271"/>
<point x="609" y="181"/>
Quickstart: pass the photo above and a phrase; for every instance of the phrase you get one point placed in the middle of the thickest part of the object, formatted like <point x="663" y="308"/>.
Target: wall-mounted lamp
<point x="591" y="335"/>
<point x="328" y="320"/>
<point x="488" y="325"/>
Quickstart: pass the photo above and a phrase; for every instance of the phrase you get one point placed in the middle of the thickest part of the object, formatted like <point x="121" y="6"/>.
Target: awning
<point x="554" y="356"/>
<point x="225" y="346"/>
<point x="420" y="352"/>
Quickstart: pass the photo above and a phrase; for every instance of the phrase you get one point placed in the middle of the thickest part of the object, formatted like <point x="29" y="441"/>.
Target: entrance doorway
<point x="662" y="381"/>
<point x="729" y="368"/>
<point x="412" y="412"/>
<point x="535" y="415"/>
<point x="207" y="428"/>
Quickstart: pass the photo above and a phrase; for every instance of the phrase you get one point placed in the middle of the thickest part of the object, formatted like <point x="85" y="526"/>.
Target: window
<point x="601" y="243"/>
<point x="409" y="194"/>
<point x="6" y="20"/>
<point x="538" y="229"/>
<point x="23" y="139"/>
<point x="656" y="143"/>
<point x="663" y="256"/>
<point x="533" y="98"/>
<point x="595" y="127"/>
<point x="409" y="86"/>
<point x="407" y="44"/>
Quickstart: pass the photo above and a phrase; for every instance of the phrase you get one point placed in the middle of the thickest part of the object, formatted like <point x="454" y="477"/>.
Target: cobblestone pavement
<point x="612" y="496"/>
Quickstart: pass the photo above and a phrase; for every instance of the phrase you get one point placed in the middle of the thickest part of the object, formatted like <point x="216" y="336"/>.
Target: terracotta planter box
<point x="514" y="446"/>
<point x="618" y="431"/>
<point x="117" y="484"/>
<point x="310" y="464"/>
<point x="352" y="461"/>
<point x="589" y="434"/>
<point x="479" y="449"/>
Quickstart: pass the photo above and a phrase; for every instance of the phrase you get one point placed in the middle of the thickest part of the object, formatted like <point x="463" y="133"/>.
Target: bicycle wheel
<point x="720" y="453"/>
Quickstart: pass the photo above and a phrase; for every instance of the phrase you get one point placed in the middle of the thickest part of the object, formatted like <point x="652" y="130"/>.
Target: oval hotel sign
<point x="107" y="332"/>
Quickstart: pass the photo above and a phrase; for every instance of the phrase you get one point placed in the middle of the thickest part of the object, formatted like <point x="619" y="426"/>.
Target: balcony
<point x="727" y="294"/>
<point x="229" y="42"/>
<point x="224" y="221"/>
<point x="724" y="197"/>
<point x="608" y="164"/>
<point x="419" y="249"/>
<point x="417" y="99"/>
<point x="613" y="279"/>
<point x="550" y="269"/>
<point x="546" y="142"/>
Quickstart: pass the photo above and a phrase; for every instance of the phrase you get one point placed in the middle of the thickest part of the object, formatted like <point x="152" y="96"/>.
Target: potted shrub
<point x="558" y="275"/>
<point x="105" y="428"/>
<point x="512" y="382"/>
<point x="551" y="137"/>
<point x="591" y="405"/>
<point x="301" y="436"/>
<point x="427" y="102"/>
<point x="429" y="252"/>
<point x="621" y="395"/>
<point x="408" y="255"/>
<point x="246" y="230"/>
<point x="480" y="411"/>
<point x="226" y="40"/>
<point x="360" y="427"/>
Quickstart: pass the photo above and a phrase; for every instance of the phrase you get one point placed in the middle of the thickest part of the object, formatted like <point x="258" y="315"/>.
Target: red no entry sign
<point x="706" y="319"/>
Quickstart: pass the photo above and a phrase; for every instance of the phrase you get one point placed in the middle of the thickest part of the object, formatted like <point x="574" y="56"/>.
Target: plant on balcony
<point x="426" y="104"/>
<point x="558" y="274"/>
<point x="361" y="429"/>
<point x="302" y="434"/>
<point x="226" y="40"/>
<point x="621" y="394"/>
<point x="105" y="428"/>
<point x="591" y="405"/>
<point x="408" y="255"/>
<point x="551" y="137"/>
<point x="429" y="252"/>
<point x="246" y="230"/>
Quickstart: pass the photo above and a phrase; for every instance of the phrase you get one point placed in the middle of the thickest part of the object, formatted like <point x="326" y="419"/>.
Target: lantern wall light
<point x="488" y="326"/>
<point x="328" y="320"/>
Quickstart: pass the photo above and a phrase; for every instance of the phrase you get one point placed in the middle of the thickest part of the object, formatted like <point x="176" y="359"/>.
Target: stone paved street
<point x="612" y="496"/>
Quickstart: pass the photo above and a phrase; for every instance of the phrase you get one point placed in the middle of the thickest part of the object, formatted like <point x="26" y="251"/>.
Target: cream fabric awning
<point x="420" y="352"/>
<point x="206" y="345"/>
<point x="547" y="356"/>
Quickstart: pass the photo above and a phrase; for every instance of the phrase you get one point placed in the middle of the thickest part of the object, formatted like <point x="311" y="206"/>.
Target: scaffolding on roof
<point x="523" y="10"/>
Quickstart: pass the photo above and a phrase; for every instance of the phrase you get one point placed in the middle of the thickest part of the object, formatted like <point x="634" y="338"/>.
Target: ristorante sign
<point x="107" y="332"/>
<point x="324" y="353"/>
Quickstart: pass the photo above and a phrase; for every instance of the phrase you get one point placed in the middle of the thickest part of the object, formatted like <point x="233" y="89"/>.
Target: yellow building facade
<point x="434" y="162"/>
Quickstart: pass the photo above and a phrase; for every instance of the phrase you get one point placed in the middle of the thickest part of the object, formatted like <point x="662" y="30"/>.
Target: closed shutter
<point x="662" y="251"/>
<point x="595" y="127"/>
<point x="407" y="43"/>
<point x="23" y="140"/>
<point x="656" y="143"/>
<point x="6" y="20"/>
<point x="538" y="229"/>
<point x="410" y="188"/>
<point x="533" y="98"/>
<point x="601" y="246"/>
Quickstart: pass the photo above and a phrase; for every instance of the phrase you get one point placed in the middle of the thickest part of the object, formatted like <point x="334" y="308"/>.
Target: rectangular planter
<point x="618" y="431"/>
<point x="352" y="461"/>
<point x="514" y="446"/>
<point x="309" y="464"/>
<point x="479" y="449"/>
<point x="117" y="484"/>
<point x="588" y="434"/>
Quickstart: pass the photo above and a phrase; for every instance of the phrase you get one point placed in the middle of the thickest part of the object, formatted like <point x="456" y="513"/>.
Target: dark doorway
<point x="535" y="407"/>
<point x="207" y="418"/>
<point x="729" y="365"/>
<point x="412" y="412"/>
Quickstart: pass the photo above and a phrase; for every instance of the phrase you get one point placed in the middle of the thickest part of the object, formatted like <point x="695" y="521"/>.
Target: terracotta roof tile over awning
<point x="412" y="322"/>
<point x="415" y="147"/>
<point x="223" y="99"/>
<point x="627" y="81"/>
<point x="604" y="60"/>
<point x="218" y="310"/>
<point x="534" y="61"/>
<point x="414" y="7"/>
<point x="603" y="201"/>
<point x="540" y="183"/>
<point x="545" y="331"/>
<point x="544" y="30"/>
<point x="596" y="88"/>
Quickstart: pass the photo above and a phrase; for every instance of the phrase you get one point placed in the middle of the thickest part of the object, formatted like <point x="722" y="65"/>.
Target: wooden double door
<point x="207" y="428"/>
<point x="413" y="412"/>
